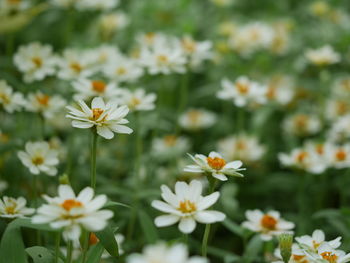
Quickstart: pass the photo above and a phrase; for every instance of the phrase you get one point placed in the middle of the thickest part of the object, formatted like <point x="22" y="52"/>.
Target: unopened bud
<point x="64" y="179"/>
<point x="285" y="242"/>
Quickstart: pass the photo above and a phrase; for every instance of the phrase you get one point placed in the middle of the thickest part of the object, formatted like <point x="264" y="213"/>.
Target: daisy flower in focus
<point x="242" y="147"/>
<point x="39" y="157"/>
<point x="317" y="238"/>
<point x="87" y="89"/>
<point x="267" y="224"/>
<point x="72" y="213"/>
<point x="215" y="165"/>
<point x="243" y="91"/>
<point x="186" y="206"/>
<point x="197" y="119"/>
<point x="107" y="118"/>
<point x="44" y="104"/>
<point x="11" y="101"/>
<point x="35" y="61"/>
<point x="302" y="124"/>
<point x="138" y="100"/>
<point x="161" y="252"/>
<point x="322" y="56"/>
<point x="326" y="253"/>
<point x="12" y="207"/>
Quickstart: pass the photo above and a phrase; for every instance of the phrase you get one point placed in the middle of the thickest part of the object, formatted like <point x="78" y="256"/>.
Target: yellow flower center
<point x="134" y="102"/>
<point x="302" y="156"/>
<point x="162" y="59"/>
<point x="342" y="107"/>
<point x="98" y="86"/>
<point x="268" y="222"/>
<point x="96" y="113"/>
<point x="4" y="98"/>
<point x="242" y="88"/>
<point x="38" y="160"/>
<point x="330" y="257"/>
<point x="37" y="61"/>
<point x="300" y="258"/>
<point x="11" y="209"/>
<point x="43" y="99"/>
<point x="320" y="149"/>
<point x="315" y="244"/>
<point x="170" y="140"/>
<point x="241" y="145"/>
<point x="216" y="163"/>
<point x="345" y="84"/>
<point x="121" y="71"/>
<point x="187" y="207"/>
<point x="71" y="203"/>
<point x="194" y="116"/>
<point x="189" y="45"/>
<point x="301" y="121"/>
<point x="76" y="67"/>
<point x="340" y="155"/>
<point x="271" y="92"/>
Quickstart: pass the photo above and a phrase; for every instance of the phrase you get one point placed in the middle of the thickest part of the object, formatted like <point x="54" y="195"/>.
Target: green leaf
<point x="108" y="241"/>
<point x="148" y="227"/>
<point x="112" y="203"/>
<point x="95" y="253"/>
<point x="40" y="254"/>
<point x="253" y="248"/>
<point x="12" y="247"/>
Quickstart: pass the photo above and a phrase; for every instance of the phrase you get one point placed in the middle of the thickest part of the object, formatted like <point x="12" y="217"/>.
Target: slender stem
<point x="93" y="159"/>
<point x="36" y="203"/>
<point x="69" y="252"/>
<point x="42" y="125"/>
<point x="86" y="238"/>
<point x="57" y="246"/>
<point x="205" y="240"/>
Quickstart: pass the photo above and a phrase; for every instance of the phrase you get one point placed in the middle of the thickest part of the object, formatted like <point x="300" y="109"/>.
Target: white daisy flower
<point x="197" y="52"/>
<point x="112" y="22"/>
<point x="267" y="224"/>
<point x="103" y="55"/>
<point x="214" y="165"/>
<point x="326" y="253"/>
<point x="187" y="206"/>
<point x="138" y="100"/>
<point x="161" y="252"/>
<point x="123" y="69"/>
<point x="302" y="124"/>
<point x="170" y="146"/>
<point x="241" y="147"/>
<point x="11" y="101"/>
<point x="298" y="255"/>
<point x="87" y="89"/>
<point x="71" y="213"/>
<point x="280" y="89"/>
<point x="340" y="129"/>
<point x="39" y="157"/>
<point x="35" y="61"/>
<point x="96" y="4"/>
<point x="322" y="56"/>
<point x="150" y="38"/>
<point x="12" y="207"/>
<point x="337" y="107"/>
<point x="243" y="92"/>
<point x="76" y="64"/>
<point x="197" y="119"/>
<point x="107" y="118"/>
<point x="44" y="104"/>
<point x="317" y="238"/>
<point x="339" y="156"/>
<point x="341" y="87"/>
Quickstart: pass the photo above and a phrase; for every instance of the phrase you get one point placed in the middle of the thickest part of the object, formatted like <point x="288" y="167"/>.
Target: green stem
<point x="69" y="252"/>
<point x="36" y="204"/>
<point x="93" y="159"/>
<point x="57" y="246"/>
<point x="86" y="238"/>
<point x="42" y="125"/>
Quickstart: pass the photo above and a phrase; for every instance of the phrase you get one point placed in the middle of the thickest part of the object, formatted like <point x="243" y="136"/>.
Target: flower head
<point x="138" y="100"/>
<point x="322" y="56"/>
<point x="12" y="207"/>
<point x="107" y="118"/>
<point x="11" y="101"/>
<point x="187" y="206"/>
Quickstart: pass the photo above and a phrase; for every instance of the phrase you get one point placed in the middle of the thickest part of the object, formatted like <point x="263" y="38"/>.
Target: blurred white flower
<point x="112" y="22"/>
<point x="87" y="89"/>
<point x="39" y="157"/>
<point x="71" y="213"/>
<point x="302" y="124"/>
<point x="170" y="146"/>
<point x="123" y="69"/>
<point x="103" y="55"/>
<point x="35" y="61"/>
<point x="161" y="252"/>
<point x="214" y="165"/>
<point x="76" y="64"/>
<point x="241" y="147"/>
<point x="267" y="224"/>
<point x="323" y="56"/>
<point x="243" y="91"/>
<point x="280" y="89"/>
<point x="341" y="87"/>
<point x="96" y="4"/>
<point x="11" y="101"/>
<point x="107" y="118"/>
<point x="138" y="100"/>
<point x="340" y="129"/>
<point x="197" y="119"/>
<point x="187" y="206"/>
<point x="44" y="104"/>
<point x="337" y="107"/>
<point x="196" y="51"/>
<point x="9" y="6"/>
<point x="339" y="156"/>
<point x="12" y="207"/>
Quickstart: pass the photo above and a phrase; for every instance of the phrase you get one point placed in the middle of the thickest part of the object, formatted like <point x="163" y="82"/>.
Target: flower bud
<point x="64" y="179"/>
<point x="285" y="243"/>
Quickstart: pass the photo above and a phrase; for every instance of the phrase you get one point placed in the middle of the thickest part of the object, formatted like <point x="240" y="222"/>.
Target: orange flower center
<point x="242" y="88"/>
<point x="340" y="155"/>
<point x="93" y="239"/>
<point x="268" y="222"/>
<point x="320" y="149"/>
<point x="301" y="121"/>
<point x="330" y="257"/>
<point x="216" y="163"/>
<point x="37" y="62"/>
<point x="170" y="140"/>
<point x="38" y="160"/>
<point x="98" y="86"/>
<point x="342" y="107"/>
<point x="300" y="258"/>
<point x="96" y="113"/>
<point x="187" y="207"/>
<point x="43" y="99"/>
<point x="271" y="93"/>
<point x="302" y="156"/>
<point x="241" y="145"/>
<point x="71" y="203"/>
<point x="75" y="66"/>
